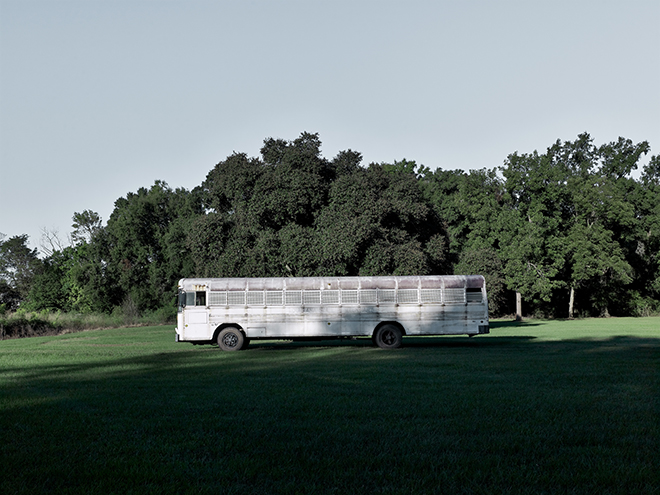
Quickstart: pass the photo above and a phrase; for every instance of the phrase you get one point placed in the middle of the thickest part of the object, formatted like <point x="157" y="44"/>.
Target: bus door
<point x="196" y="315"/>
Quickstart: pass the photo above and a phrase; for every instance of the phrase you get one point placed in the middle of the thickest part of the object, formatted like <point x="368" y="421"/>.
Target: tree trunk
<point x="570" y="303"/>
<point x="518" y="306"/>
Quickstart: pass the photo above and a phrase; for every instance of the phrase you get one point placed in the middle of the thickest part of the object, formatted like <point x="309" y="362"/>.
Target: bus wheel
<point x="231" y="339"/>
<point x="388" y="337"/>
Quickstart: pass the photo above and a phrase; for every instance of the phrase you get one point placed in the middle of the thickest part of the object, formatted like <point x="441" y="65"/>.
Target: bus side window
<point x="200" y="299"/>
<point x="190" y="298"/>
<point x="473" y="295"/>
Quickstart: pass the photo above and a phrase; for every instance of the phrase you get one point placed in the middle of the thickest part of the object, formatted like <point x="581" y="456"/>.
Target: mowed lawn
<point x="539" y="407"/>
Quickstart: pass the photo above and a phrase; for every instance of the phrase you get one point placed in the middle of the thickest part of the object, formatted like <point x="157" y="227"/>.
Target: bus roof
<point x="330" y="283"/>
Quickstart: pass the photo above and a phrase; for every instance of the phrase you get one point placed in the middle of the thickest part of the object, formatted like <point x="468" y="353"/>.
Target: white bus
<point x="233" y="311"/>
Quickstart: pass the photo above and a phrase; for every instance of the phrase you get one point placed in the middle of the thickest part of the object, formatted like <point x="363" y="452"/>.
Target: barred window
<point x="408" y="296"/>
<point x="293" y="297"/>
<point x="330" y="297"/>
<point x="312" y="297"/>
<point x="369" y="296"/>
<point x="274" y="298"/>
<point x="255" y="298"/>
<point x="236" y="297"/>
<point x="218" y="298"/>
<point x="431" y="296"/>
<point x="386" y="296"/>
<point x="454" y="296"/>
<point x="349" y="297"/>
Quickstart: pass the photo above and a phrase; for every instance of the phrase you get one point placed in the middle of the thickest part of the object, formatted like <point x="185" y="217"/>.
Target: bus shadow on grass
<point x="478" y="342"/>
<point x="411" y="341"/>
<point x="515" y="324"/>
<point x="466" y="341"/>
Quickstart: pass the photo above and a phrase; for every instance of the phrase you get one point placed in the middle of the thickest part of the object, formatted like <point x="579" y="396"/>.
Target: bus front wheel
<point x="388" y="337"/>
<point x="231" y="339"/>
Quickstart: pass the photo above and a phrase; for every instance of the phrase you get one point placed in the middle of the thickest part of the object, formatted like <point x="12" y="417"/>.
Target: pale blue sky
<point x="99" y="98"/>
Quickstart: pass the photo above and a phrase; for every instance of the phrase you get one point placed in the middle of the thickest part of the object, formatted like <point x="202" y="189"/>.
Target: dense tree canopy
<point x="294" y="213"/>
<point x="569" y="229"/>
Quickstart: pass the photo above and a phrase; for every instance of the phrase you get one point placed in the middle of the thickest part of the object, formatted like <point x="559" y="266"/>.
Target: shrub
<point x="23" y="326"/>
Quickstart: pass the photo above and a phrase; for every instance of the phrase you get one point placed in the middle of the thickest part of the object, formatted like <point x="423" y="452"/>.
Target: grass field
<point x="539" y="407"/>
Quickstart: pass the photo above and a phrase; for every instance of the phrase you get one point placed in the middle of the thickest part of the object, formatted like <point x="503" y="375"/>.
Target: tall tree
<point x="294" y="184"/>
<point x="294" y="213"/>
<point x="18" y="266"/>
<point x="530" y="235"/>
<point x="442" y="189"/>
<point x="262" y="211"/>
<point x="85" y="226"/>
<point x="570" y="220"/>
<point x="646" y="252"/>
<point x="144" y="244"/>
<point x="377" y="222"/>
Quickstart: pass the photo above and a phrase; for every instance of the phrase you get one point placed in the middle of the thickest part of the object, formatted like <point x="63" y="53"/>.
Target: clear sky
<point x="101" y="97"/>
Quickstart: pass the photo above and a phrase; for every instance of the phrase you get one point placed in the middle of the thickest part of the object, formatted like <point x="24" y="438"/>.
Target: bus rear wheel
<point x="231" y="339"/>
<point x="388" y="337"/>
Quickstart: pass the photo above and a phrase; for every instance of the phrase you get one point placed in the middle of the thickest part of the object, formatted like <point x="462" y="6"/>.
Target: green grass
<point x="537" y="407"/>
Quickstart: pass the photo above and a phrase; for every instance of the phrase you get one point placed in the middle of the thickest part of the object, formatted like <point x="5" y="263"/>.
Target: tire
<point x="231" y="339"/>
<point x="388" y="337"/>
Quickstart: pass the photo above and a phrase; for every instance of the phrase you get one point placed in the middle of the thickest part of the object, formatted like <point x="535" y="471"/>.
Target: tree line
<point x="570" y="230"/>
